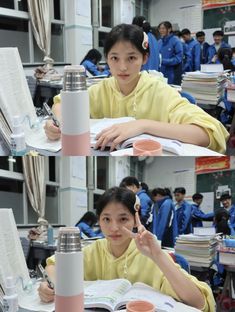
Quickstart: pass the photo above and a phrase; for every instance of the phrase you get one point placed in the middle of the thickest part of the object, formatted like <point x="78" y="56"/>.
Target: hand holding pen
<point x="46" y="277"/>
<point x="51" y="114"/>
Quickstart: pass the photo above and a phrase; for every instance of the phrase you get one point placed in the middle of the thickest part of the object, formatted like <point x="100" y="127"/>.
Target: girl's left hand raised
<point x="118" y="133"/>
<point x="145" y="241"/>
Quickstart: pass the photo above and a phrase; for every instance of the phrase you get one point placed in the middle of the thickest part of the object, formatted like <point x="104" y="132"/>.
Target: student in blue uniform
<point x="133" y="184"/>
<point x="153" y="58"/>
<point x="171" y="52"/>
<point x="194" y="48"/>
<point x="186" y="52"/>
<point x="86" y="223"/>
<point x="90" y="62"/>
<point x="200" y="35"/>
<point x="218" y="43"/>
<point x="164" y="217"/>
<point x="183" y="211"/>
<point x="197" y="214"/>
<point x="226" y="201"/>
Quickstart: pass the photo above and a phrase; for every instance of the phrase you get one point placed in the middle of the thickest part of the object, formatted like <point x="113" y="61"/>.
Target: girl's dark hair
<point x="162" y="192"/>
<point x="117" y="195"/>
<point x="141" y="22"/>
<point x="92" y="55"/>
<point x="129" y="181"/>
<point x="125" y="32"/>
<point x="225" y="56"/>
<point x="167" y="24"/>
<point x="89" y="217"/>
<point x="221" y="222"/>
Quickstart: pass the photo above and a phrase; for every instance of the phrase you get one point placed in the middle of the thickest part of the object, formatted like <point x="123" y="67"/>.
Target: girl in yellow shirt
<point x="159" y="109"/>
<point x="135" y="256"/>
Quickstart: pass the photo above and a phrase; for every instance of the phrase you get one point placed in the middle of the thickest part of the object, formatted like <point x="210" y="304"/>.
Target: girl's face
<point x="113" y="218"/>
<point x="163" y="30"/>
<point x="125" y="62"/>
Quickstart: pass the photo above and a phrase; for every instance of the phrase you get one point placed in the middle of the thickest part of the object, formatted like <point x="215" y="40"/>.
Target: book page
<point x="141" y="291"/>
<point x="105" y="294"/>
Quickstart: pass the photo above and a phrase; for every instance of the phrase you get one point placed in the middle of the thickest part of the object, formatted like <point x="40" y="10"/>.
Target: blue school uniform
<point x="93" y="69"/>
<point x="186" y="58"/>
<point x="145" y="204"/>
<point x="232" y="219"/>
<point x="204" y="52"/>
<point x="164" y="221"/>
<point x="198" y="216"/>
<point x="87" y="230"/>
<point x="195" y="51"/>
<point x="154" y="58"/>
<point x="183" y="216"/>
<point x="171" y="50"/>
<point x="212" y="50"/>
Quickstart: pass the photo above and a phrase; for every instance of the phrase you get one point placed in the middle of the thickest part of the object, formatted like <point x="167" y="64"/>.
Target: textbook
<point x="114" y="294"/>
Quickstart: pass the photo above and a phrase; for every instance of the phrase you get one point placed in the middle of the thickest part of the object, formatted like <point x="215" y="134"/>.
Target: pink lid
<point x="147" y="148"/>
<point x="140" y="306"/>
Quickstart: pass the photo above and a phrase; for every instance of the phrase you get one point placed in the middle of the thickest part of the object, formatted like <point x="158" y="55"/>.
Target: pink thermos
<point x="75" y="113"/>
<point x="69" y="294"/>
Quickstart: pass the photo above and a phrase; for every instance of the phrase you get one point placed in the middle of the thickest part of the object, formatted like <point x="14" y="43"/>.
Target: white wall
<point x="169" y="10"/>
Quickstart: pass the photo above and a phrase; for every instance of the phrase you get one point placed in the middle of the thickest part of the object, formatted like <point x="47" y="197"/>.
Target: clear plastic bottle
<point x="75" y="113"/>
<point x="18" y="145"/>
<point x="69" y="294"/>
<point x="50" y="235"/>
<point x="10" y="299"/>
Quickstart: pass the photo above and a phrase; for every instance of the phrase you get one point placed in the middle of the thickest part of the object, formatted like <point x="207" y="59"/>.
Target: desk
<point x="39" y="252"/>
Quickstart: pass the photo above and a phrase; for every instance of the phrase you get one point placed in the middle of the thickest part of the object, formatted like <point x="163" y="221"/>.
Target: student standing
<point x="194" y="49"/>
<point x="158" y="109"/>
<point x="171" y="52"/>
<point x="197" y="214"/>
<point x="218" y="43"/>
<point x="134" y="256"/>
<point x="186" y="53"/>
<point x="164" y="218"/>
<point x="153" y="61"/>
<point x="226" y="201"/>
<point x="200" y="35"/>
<point x="183" y="211"/>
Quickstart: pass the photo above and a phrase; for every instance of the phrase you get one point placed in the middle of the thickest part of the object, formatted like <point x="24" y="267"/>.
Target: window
<point x="107" y="13"/>
<point x="13" y="190"/>
<point x="16" y="31"/>
<point x="142" y="8"/>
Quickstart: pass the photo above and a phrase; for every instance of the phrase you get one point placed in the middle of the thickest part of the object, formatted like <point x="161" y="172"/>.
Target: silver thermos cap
<point x="74" y="78"/>
<point x="69" y="240"/>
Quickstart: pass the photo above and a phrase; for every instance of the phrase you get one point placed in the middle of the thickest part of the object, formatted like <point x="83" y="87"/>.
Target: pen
<point x="51" y="114"/>
<point x="46" y="277"/>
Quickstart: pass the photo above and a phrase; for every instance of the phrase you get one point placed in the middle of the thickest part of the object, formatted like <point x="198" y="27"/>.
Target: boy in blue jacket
<point x="183" y="212"/>
<point x="164" y="217"/>
<point x="200" y="35"/>
<point x="226" y="201"/>
<point x="194" y="48"/>
<point x="145" y="201"/>
<point x="218" y="43"/>
<point x="197" y="214"/>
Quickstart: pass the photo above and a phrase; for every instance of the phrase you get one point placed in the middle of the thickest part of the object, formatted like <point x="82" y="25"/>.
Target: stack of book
<point x="198" y="250"/>
<point x="207" y="88"/>
<point x="227" y="255"/>
<point x="231" y="92"/>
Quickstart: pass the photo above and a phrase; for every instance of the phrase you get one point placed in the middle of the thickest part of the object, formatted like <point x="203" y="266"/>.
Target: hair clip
<point x="145" y="43"/>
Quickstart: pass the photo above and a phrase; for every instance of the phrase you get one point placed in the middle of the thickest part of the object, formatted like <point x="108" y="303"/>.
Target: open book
<point x="114" y="294"/>
<point x="168" y="145"/>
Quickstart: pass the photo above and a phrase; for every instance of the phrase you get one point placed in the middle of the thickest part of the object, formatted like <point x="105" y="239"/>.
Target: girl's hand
<point x="118" y="133"/>
<point x="46" y="294"/>
<point x="145" y="241"/>
<point x="52" y="132"/>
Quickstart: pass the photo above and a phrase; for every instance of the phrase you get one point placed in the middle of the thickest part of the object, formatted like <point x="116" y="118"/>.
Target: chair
<point x="181" y="261"/>
<point x="32" y="83"/>
<point x="25" y="243"/>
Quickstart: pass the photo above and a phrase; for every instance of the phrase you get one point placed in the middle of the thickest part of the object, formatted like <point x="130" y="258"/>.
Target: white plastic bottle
<point x="10" y="300"/>
<point x="18" y="145"/>
<point x="75" y="113"/>
<point x="69" y="293"/>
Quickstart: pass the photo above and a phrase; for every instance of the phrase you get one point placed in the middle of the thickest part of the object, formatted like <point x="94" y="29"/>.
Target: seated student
<point x="225" y="56"/>
<point x="183" y="211"/>
<point x="194" y="48"/>
<point x="226" y="201"/>
<point x="145" y="201"/>
<point x="219" y="43"/>
<point x="221" y="222"/>
<point x="164" y="218"/>
<point x="158" y="108"/>
<point x="90" y="62"/>
<point x="86" y="223"/>
<point x="134" y="256"/>
<point x="197" y="214"/>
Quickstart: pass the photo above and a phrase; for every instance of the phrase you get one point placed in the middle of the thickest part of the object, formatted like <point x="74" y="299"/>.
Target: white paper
<point x="83" y="8"/>
<point x="231" y="40"/>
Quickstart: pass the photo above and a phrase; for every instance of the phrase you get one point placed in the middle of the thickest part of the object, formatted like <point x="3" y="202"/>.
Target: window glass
<point x="14" y="33"/>
<point x="102" y="37"/>
<point x="23" y="5"/>
<point x="102" y="173"/>
<point x="107" y="13"/>
<point x="57" y="14"/>
<point x="9" y="4"/>
<point x="11" y="194"/>
<point x="4" y="164"/>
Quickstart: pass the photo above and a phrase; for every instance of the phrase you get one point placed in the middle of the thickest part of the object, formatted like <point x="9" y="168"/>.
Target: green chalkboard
<point x="209" y="182"/>
<point x="214" y="18"/>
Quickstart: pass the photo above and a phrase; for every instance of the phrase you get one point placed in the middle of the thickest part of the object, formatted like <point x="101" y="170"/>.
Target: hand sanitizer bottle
<point x="10" y="299"/>
<point x="75" y="113"/>
<point x="69" y="294"/>
<point x="18" y="146"/>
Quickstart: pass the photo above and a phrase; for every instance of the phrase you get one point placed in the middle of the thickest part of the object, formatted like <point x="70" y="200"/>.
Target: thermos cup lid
<point x="69" y="239"/>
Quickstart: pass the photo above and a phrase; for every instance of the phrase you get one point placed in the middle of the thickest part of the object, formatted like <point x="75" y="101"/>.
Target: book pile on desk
<point x="227" y="255"/>
<point x="197" y="250"/>
<point x="207" y="88"/>
<point x="231" y="92"/>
